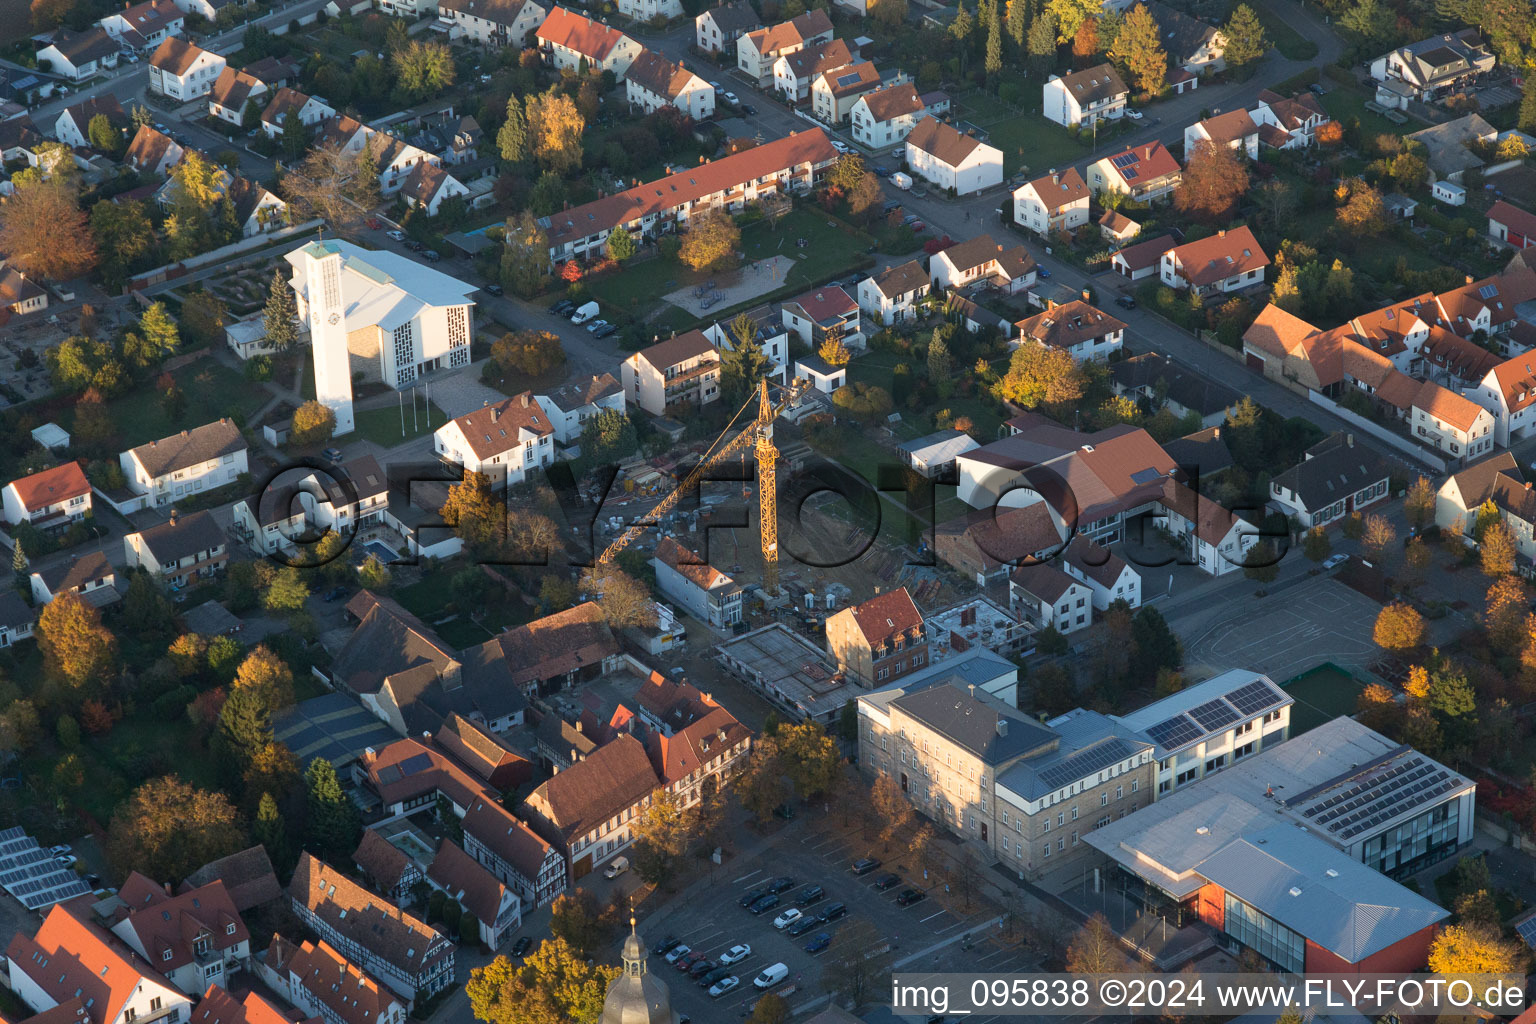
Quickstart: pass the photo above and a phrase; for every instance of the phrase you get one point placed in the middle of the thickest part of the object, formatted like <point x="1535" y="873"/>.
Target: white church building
<point x="377" y="314"/>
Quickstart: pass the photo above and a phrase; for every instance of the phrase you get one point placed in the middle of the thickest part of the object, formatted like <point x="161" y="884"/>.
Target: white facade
<point x="1056" y="202"/>
<point x="506" y="442"/>
<point x="1067" y="105"/>
<point x="192" y="81"/>
<point x="490" y="26"/>
<point x="981" y="168"/>
<point x="646" y="10"/>
<point x="568" y="422"/>
<point x="184" y="476"/>
<point x="80" y="67"/>
<point x="1069" y="611"/>
<point x="310" y="113"/>
<point x="694" y="97"/>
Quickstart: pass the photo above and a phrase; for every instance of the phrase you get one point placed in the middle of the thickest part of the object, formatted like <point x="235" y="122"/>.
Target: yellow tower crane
<point x="759" y="434"/>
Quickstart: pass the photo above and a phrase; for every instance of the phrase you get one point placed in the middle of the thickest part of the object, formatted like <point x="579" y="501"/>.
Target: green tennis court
<point x="1322" y="694"/>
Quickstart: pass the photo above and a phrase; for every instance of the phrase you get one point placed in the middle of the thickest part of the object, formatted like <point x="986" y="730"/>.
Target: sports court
<point x="1321" y="694"/>
<point x="1283" y="634"/>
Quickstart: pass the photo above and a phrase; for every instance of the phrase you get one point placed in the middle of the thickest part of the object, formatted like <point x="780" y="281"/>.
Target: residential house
<point x="571" y="41"/>
<point x="219" y="1007"/>
<point x="1449" y="146"/>
<point x="1451" y="423"/>
<point x="305" y="503"/>
<point x="179" y="549"/>
<point x="933" y="455"/>
<point x="1509" y="393"/>
<point x="891" y="296"/>
<point x="51" y="499"/>
<point x="491" y="22"/>
<point x="814" y="316"/>
<point x="195" y="939"/>
<point x="485" y="756"/>
<point x="1142" y="260"/>
<point x="181" y="71"/>
<point x="19" y="139"/>
<point x="1289" y="122"/>
<point x="693" y="762"/>
<point x="651" y="10"/>
<point x="1498" y="306"/>
<point x="386" y="868"/>
<point x="1336" y="478"/>
<point x="757" y="51"/>
<point x="409" y="956"/>
<point x="951" y="160"/>
<point x="230" y="93"/>
<point x="1145" y="172"/>
<point x="668" y="705"/>
<point x="16" y="619"/>
<point x="1458" y="362"/>
<point x="428" y="186"/>
<point x="89" y="575"/>
<point x="1089" y="95"/>
<point x="1083" y="331"/>
<point x="454" y="138"/>
<point x="1432" y="68"/>
<point x="84" y="974"/>
<point x="1104" y="573"/>
<point x="982" y="259"/>
<point x="568" y="407"/>
<point x="201" y="459"/>
<point x="320" y="981"/>
<point x="793" y="72"/>
<point x="989" y="773"/>
<point x="988" y="544"/>
<point x="588" y="811"/>
<point x="1053" y="203"/>
<point x="1043" y="594"/>
<point x="792" y="164"/>
<point x="307" y="110"/>
<point x="1164" y="384"/>
<point x="886" y="116"/>
<point x="1215" y="539"/>
<point x="1191" y="44"/>
<point x="142" y="27"/>
<point x="560" y="650"/>
<point x="152" y="153"/>
<point x="256" y="210"/>
<point x="878" y="640"/>
<point x="833" y="93"/>
<point x="1116" y="228"/>
<point x="73" y="125"/>
<point x="513" y="852"/>
<point x="654" y="82"/>
<point x="1235" y="129"/>
<point x="717" y="29"/>
<point x="822" y="375"/>
<point x="1227" y="261"/>
<point x="1509" y="225"/>
<point x="1464" y="492"/>
<point x="703" y="591"/>
<point x="19" y="295"/>
<point x="683" y="370"/>
<point x="496" y="908"/>
<point x="246" y="875"/>
<point x="78" y="55"/>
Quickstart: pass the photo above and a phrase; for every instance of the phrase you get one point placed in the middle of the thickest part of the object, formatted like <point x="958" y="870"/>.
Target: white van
<point x="586" y="311"/>
<point x="771" y="976"/>
<point x="616" y="867"/>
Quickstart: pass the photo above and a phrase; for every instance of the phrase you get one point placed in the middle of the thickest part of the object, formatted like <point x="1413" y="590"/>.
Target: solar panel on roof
<point x="415" y="763"/>
<point x="1253" y="698"/>
<point x="1124" y="160"/>
<point x="1085" y="763"/>
<point x="1488" y="291"/>
<point x="1145" y="476"/>
<point x="14" y="832"/>
<point x="1174" y="732"/>
<point x="1527" y="931"/>
<point x="1213" y="714"/>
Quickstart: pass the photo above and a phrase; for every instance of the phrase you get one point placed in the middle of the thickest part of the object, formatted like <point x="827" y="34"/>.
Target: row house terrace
<point x="792" y="164"/>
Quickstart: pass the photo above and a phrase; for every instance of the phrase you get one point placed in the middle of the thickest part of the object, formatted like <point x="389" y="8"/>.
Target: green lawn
<point x="1322" y="694"/>
<point x="1029" y="142"/>
<point x="211" y="390"/>
<point x="1291" y="44"/>
<point x="382" y="426"/>
<point x="1346" y="101"/>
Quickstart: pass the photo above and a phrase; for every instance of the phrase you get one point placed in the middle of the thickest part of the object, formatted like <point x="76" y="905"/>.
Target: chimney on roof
<point x="1216" y="432"/>
<point x="1055" y="178"/>
<point x="369" y="754"/>
<point x="1349" y="440"/>
<point x="1469" y="279"/>
<point x="496" y="414"/>
<point x="524" y="397"/>
<point x="1222" y="233"/>
<point x="1002" y="726"/>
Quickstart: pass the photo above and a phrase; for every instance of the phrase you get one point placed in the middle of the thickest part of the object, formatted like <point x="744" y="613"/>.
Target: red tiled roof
<point x="1277" y="332"/>
<point x="69" y="959"/>
<point x="558" y="643"/>
<point x="1069" y="324"/>
<point x="591" y="39"/>
<point x="175" y="56"/>
<point x="893" y="101"/>
<point x="1219" y="256"/>
<point x="1212" y="521"/>
<point x="173" y="924"/>
<point x="1447" y="406"/>
<point x="406" y="943"/>
<point x="691" y="748"/>
<point x="690" y="185"/>
<point x="886" y="616"/>
<point x="1229" y="127"/>
<point x="688" y="565"/>
<point x="1146" y="162"/>
<point x="1516" y="378"/>
<point x="149" y="147"/>
<point x="943" y="143"/>
<point x="506" y="835"/>
<point x="219" y="1007"/>
<point x="654" y="73"/>
<point x="613" y="778"/>
<point x="1145" y="254"/>
<point x="340" y="985"/>
<point x="823" y="304"/>
<point x="1461" y="356"/>
<point x="494" y="429"/>
<point x="466" y="880"/>
<point x="790" y="33"/>
<point x="1513" y="217"/>
<point x="51" y="486"/>
<point x="409" y="768"/>
<point x="1058" y="190"/>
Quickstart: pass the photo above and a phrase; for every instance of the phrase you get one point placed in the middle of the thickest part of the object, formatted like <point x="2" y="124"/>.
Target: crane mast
<point x="759" y="434"/>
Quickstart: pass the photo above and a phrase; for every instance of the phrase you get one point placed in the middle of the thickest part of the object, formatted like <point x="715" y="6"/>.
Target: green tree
<point x="475" y="513"/>
<point x="19" y="573"/>
<point x="1370" y="21"/>
<point x="333" y="824"/>
<point x="374" y="574"/>
<point x="607" y="437"/>
<point x="168" y="829"/>
<point x="1139" y="48"/>
<point x="960" y="29"/>
<point x="287" y="591"/>
<point x="103" y="136"/>
<point x="1316" y="545"/>
<point x="1069" y="16"/>
<point x="940" y="363"/>
<point x="1156" y="646"/>
<point x="512" y="136"/>
<point x="663" y="834"/>
<point x="525" y="255"/>
<point x="1017" y="21"/>
<point x="245" y="724"/>
<point x="1041" y="375"/>
<point x="744" y="364"/>
<point x="125" y="237"/>
<point x="1246" y="40"/>
<point x="280" y="317"/>
<point x="621" y="245"/>
<point x="271" y="831"/>
<point x="1041" y="44"/>
<point x="994" y="59"/>
<point x="313" y="424"/>
<point x="161" y="336"/>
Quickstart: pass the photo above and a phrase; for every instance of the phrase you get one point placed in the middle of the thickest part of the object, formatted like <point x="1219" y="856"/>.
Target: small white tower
<point x="328" y="332"/>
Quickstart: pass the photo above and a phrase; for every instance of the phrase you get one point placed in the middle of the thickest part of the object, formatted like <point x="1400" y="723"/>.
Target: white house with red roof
<point x="879" y="640"/>
<point x="1143" y="172"/>
<point x="568" y="40"/>
<point x="310" y="111"/>
<point x="705" y="592"/>
<point x="429" y="185"/>
<point x="71" y="961"/>
<point x="144" y="26"/>
<point x="153" y="153"/>
<point x="951" y="159"/>
<point x="219" y="1007"/>
<point x="1509" y="225"/>
<point x="1106" y="574"/>
<point x="496" y="907"/>
<point x="181" y="71"/>
<point x="50" y="500"/>
<point x="1509" y="393"/>
<point x="812" y="315"/>
<point x="1227" y="261"/>
<point x="647" y="10"/>
<point x="506" y="441"/>
<point x="757" y="51"/>
<point x="195" y="939"/>
<point x="1218" y="540"/>
<point x="887" y="116"/>
<point x="1053" y="202"/>
<point x="1009" y="269"/>
<point x="1451" y="422"/>
<point x="1288" y="122"/>
<point x="654" y="82"/>
<point x="1235" y="129"/>
<point x="321" y="982"/>
<point x="680" y="371"/>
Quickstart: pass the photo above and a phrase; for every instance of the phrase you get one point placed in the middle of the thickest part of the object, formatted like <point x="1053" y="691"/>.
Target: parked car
<point x="522" y="945"/>
<point x="910" y="896"/>
<point x="781" y="884"/>
<point x="63" y="848"/>
<point x="666" y="945"/>
<point x="1334" y="560"/>
<point x="841" y="147"/>
<point x="686" y="963"/>
<point x="565" y="307"/>
<point x="416" y="246"/>
<point x="807" y="923"/>
<point x="332" y="455"/>
<point x="749" y="110"/>
<point x="702" y="967"/>
<point x="724" y="985"/>
<point x="736" y="954"/>
<point x="1134" y="115"/>
<point x="677" y="952"/>
<point x="811" y="894"/>
<point x="880" y="172"/>
<point x="764" y="905"/>
<point x="335" y="594"/>
<point x="771" y="976"/>
<point x="918" y="226"/>
<point x="819" y="943"/>
<point x="787" y="918"/>
<point x="887" y="881"/>
<point x="430" y="255"/>
<point x="586" y="311"/>
<point x="616" y="867"/>
<point x="752" y="897"/>
<point x="396" y="234"/>
<point x="1125" y="301"/>
<point x="605" y="330"/>
<point x="864" y="865"/>
<point x="67" y="859"/>
<point x="1043" y="272"/>
<point x="730" y="98"/>
<point x="713" y="976"/>
<point x="495" y="289"/>
<point x="374" y="223"/>
<point x="832" y="913"/>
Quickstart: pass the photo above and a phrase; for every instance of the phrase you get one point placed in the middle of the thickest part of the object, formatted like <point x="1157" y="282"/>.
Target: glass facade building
<point x="1267" y="937"/>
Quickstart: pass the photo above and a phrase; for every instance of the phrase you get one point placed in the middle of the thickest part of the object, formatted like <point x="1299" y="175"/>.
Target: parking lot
<point x="874" y="920"/>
